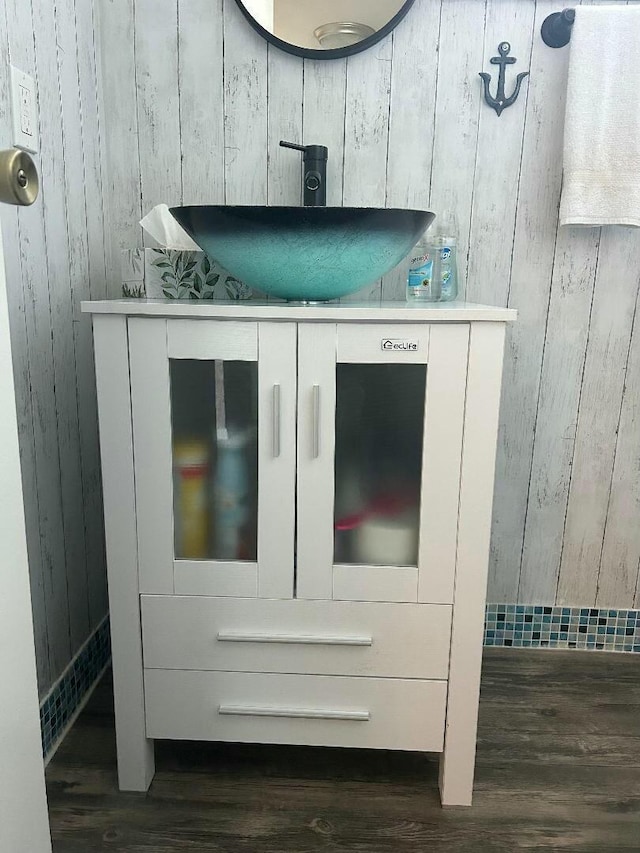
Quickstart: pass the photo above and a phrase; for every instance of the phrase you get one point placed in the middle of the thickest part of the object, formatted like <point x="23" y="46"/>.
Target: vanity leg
<point x="136" y="761"/>
<point x="482" y="406"/>
<point x="135" y="750"/>
<point x="457" y="762"/>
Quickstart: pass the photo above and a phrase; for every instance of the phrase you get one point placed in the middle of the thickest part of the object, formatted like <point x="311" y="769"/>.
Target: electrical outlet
<point x="23" y="109"/>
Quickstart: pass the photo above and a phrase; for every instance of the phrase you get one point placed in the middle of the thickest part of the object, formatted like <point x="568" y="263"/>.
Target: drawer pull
<point x="298" y="713"/>
<point x="293" y="639"/>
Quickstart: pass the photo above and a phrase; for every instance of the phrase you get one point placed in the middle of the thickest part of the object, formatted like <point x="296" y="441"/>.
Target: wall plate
<point x="24" y="111"/>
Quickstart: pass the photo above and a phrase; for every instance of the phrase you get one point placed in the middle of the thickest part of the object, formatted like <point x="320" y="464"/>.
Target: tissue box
<point x="175" y="274"/>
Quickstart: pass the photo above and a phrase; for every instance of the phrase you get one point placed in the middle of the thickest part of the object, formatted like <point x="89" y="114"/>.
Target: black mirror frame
<point x="335" y="53"/>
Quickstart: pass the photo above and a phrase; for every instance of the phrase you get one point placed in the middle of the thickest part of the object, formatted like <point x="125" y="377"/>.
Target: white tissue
<point x="164" y="229"/>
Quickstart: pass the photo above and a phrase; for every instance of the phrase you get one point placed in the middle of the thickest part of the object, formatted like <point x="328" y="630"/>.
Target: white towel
<point x="601" y="184"/>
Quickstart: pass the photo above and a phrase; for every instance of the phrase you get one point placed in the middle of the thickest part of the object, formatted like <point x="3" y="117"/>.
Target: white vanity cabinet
<point x="297" y="510"/>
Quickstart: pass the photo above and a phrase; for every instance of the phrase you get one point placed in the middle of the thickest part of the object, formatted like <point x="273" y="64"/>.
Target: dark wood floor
<point x="558" y="769"/>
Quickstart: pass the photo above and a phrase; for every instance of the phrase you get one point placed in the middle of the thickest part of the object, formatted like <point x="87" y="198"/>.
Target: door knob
<point x="18" y="178"/>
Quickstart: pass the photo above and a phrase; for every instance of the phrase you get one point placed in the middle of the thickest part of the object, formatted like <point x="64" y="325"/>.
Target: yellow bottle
<point x="191" y="498"/>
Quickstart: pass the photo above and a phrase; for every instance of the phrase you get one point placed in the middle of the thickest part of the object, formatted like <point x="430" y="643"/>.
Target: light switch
<point x="23" y="110"/>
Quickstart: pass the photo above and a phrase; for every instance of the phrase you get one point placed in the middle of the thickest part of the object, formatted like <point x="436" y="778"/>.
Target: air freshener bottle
<point x="420" y="279"/>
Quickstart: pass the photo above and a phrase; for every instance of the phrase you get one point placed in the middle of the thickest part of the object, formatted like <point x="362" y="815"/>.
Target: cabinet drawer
<point x="313" y="637"/>
<point x="316" y="710"/>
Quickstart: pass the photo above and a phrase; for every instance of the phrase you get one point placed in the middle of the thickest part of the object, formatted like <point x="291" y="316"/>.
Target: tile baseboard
<point x="70" y="692"/>
<point x="545" y="626"/>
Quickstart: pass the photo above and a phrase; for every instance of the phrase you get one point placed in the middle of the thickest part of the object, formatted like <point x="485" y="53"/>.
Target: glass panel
<point x="214" y="420"/>
<point x="379" y="429"/>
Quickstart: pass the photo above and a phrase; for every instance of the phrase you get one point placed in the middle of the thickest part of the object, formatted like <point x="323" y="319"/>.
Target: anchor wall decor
<point x="500" y="102"/>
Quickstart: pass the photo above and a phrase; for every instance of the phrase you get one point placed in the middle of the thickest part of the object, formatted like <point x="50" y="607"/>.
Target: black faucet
<point x="314" y="181"/>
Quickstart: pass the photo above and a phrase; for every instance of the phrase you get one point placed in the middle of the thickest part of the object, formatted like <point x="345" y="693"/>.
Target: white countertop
<point x="258" y="309"/>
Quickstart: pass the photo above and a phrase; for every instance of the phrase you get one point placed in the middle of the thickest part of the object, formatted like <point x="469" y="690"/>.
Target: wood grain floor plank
<point x="591" y="750"/>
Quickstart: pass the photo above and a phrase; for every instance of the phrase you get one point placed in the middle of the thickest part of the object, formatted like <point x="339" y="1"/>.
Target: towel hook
<point x="556" y="28"/>
<point x="501" y="101"/>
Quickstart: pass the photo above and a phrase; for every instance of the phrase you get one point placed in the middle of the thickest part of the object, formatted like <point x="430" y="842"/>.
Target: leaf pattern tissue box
<point x="176" y="274"/>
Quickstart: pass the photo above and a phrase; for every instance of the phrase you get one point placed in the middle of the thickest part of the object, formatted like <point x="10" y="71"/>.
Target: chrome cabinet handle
<point x="292" y="639"/>
<point x="275" y="426"/>
<point x="316" y="421"/>
<point x="299" y="713"/>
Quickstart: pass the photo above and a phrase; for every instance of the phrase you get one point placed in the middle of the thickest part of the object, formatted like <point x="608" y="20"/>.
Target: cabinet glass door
<point x="214" y="426"/>
<point x="214" y="431"/>
<point x="378" y="463"/>
<point x="380" y="413"/>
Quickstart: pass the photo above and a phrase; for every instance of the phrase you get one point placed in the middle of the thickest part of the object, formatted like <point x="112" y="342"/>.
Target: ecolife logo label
<point x="399" y="345"/>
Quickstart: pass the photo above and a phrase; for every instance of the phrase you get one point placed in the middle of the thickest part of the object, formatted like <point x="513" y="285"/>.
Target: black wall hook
<point x="501" y="102"/>
<point x="556" y="28"/>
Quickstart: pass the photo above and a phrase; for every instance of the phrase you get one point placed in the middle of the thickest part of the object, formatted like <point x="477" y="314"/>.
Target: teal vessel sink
<point x="304" y="253"/>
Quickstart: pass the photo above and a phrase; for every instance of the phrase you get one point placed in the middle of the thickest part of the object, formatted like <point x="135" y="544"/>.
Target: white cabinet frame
<point x="457" y="762"/>
<point x="136" y="764"/>
<point x="266" y="665"/>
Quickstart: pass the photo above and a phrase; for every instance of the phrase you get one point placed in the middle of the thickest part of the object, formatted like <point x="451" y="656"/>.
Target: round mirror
<point x="324" y="29"/>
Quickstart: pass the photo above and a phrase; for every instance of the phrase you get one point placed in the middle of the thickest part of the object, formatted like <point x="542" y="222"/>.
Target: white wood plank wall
<point x="55" y="256"/>
<point x="406" y="125"/>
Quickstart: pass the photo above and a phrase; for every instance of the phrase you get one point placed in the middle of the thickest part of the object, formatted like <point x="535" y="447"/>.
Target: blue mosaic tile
<point x="64" y="697"/>
<point x="540" y="626"/>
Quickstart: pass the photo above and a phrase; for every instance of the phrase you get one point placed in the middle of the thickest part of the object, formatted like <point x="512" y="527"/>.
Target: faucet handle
<point x="293" y="145"/>
<point x="311" y="152"/>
